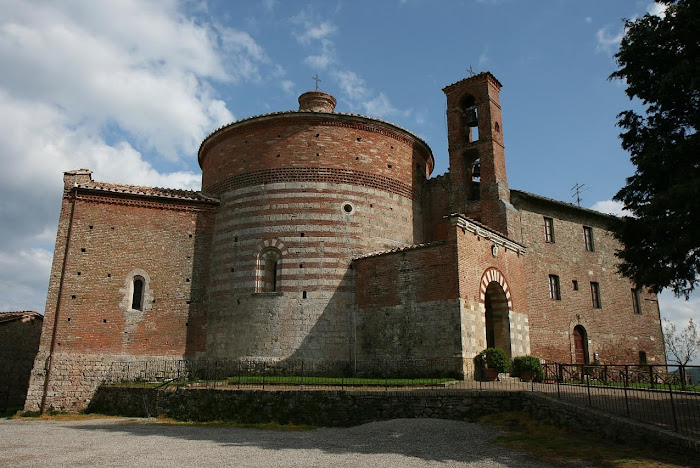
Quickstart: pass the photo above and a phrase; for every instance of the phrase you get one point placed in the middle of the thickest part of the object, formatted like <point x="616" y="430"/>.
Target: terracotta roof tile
<point x="402" y="249"/>
<point x="176" y="194"/>
<point x="18" y="315"/>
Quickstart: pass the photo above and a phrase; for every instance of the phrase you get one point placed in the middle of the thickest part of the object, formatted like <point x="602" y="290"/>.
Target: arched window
<point x="137" y="293"/>
<point x="269" y="268"/>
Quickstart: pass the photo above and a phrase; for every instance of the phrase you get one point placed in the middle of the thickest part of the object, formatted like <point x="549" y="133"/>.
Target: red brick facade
<point x="319" y="235"/>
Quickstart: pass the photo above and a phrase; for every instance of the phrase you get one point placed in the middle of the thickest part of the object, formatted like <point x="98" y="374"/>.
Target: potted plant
<point x="490" y="362"/>
<point x="527" y="368"/>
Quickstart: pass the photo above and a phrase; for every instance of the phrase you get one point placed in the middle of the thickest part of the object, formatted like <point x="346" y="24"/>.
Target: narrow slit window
<point x="588" y="237"/>
<point x="637" y="301"/>
<point x="270" y="266"/>
<point x="595" y="295"/>
<point x="548" y="230"/>
<point x="137" y="295"/>
<point x="554" y="289"/>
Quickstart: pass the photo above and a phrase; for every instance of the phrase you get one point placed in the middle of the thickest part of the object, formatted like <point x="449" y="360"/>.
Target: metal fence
<point x="287" y="374"/>
<point x="667" y="396"/>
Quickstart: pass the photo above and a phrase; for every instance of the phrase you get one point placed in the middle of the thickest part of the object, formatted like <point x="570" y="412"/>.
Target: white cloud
<point x="351" y="85"/>
<point x="314" y="33"/>
<point x="318" y="62"/>
<point x="484" y="60"/>
<point x="269" y="5"/>
<point x="588" y="19"/>
<point x="287" y="86"/>
<point x="657" y="9"/>
<point x="608" y="41"/>
<point x="611" y="207"/>
<point x="106" y="86"/>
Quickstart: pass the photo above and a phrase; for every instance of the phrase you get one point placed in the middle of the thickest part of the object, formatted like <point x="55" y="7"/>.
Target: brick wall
<point x="320" y="189"/>
<point x="614" y="330"/>
<point x="111" y="238"/>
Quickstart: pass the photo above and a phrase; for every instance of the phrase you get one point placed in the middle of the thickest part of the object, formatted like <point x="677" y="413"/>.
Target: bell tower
<point x="479" y="187"/>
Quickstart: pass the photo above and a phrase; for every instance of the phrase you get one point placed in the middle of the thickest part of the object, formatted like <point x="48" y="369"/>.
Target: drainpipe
<point x="58" y="304"/>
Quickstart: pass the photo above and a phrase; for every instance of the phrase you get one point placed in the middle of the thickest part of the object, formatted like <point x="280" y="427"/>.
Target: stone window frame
<point x="128" y="291"/>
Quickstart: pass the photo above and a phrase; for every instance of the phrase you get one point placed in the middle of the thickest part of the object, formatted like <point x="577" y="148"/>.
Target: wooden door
<point x="580" y="345"/>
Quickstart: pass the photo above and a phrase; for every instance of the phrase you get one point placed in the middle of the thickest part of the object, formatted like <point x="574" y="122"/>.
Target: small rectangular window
<point x="588" y="237"/>
<point x="574" y="283"/>
<point x="636" y="301"/>
<point x="642" y="357"/>
<point x="595" y="295"/>
<point x="554" y="290"/>
<point x="548" y="229"/>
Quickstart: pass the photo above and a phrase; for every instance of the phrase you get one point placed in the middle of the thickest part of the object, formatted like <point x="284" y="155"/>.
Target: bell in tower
<point x="470" y="117"/>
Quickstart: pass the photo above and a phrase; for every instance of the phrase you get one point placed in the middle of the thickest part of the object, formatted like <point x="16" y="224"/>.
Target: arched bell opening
<point x="580" y="345"/>
<point x="497" y="318"/>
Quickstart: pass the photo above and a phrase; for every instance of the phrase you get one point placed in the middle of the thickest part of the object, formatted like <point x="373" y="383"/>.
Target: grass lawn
<point x="305" y="380"/>
<point x="563" y="447"/>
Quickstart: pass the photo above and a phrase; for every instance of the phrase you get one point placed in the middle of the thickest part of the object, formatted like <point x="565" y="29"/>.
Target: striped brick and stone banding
<point x="489" y="276"/>
<point x="328" y="188"/>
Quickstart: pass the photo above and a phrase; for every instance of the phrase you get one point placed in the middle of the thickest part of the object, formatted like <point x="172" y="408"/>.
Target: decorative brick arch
<point x="492" y="274"/>
<point x="274" y="243"/>
<point x="268" y="268"/>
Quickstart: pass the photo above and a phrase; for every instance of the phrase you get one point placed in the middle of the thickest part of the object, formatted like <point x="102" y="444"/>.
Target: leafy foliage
<point x="492" y="358"/>
<point x="527" y="363"/>
<point x="681" y="346"/>
<point x="659" y="60"/>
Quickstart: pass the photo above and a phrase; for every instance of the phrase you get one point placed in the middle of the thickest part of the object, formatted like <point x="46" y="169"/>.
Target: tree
<point x="659" y="59"/>
<point x="684" y="346"/>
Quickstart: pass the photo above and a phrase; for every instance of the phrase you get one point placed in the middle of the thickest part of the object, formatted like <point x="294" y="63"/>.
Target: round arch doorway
<point x="580" y="345"/>
<point x="497" y="318"/>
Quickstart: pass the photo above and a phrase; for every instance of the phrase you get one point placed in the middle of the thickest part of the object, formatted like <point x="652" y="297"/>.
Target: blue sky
<point x="129" y="89"/>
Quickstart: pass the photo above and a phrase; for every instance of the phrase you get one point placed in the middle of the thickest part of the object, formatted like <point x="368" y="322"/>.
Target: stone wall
<point x="19" y="344"/>
<point x="343" y="408"/>
<point x="75" y="377"/>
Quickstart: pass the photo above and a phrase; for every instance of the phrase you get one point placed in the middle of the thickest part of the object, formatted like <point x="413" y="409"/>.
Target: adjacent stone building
<point x="19" y="344"/>
<point x="320" y="235"/>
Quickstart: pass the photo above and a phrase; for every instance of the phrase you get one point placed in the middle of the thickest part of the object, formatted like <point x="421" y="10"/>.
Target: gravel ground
<point x="120" y="442"/>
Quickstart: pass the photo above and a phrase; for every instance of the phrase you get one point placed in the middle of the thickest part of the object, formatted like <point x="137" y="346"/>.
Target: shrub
<point x="491" y="358"/>
<point x="527" y="363"/>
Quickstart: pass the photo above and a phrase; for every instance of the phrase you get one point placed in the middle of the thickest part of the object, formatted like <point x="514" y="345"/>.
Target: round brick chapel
<point x="303" y="193"/>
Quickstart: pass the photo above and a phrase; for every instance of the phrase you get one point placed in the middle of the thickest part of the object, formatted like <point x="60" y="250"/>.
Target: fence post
<point x="588" y="385"/>
<point x="673" y="407"/>
<point x="627" y="403"/>
<point x="559" y="378"/>
<point x="239" y="374"/>
<point x="302" y="373"/>
<point x="651" y="376"/>
<point x="683" y="377"/>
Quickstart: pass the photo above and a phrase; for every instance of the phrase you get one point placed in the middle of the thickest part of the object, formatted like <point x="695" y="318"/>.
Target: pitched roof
<point x="540" y="198"/>
<point x="402" y="249"/>
<point x="158" y="192"/>
<point x="19" y="315"/>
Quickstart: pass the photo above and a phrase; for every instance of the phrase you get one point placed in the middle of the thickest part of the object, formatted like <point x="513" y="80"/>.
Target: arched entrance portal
<point x="580" y="345"/>
<point x="497" y="320"/>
